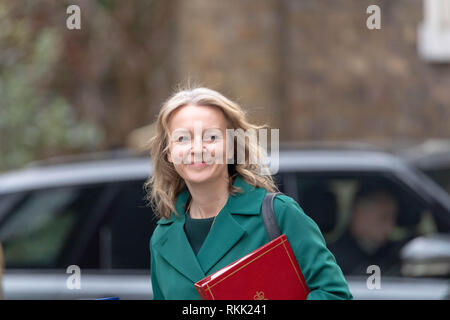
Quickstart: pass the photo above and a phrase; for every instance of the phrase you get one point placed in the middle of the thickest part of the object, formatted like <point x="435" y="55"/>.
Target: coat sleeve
<point x="323" y="276"/>
<point x="157" y="294"/>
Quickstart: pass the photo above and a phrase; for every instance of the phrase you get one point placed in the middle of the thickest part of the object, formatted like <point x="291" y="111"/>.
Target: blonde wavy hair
<point x="165" y="184"/>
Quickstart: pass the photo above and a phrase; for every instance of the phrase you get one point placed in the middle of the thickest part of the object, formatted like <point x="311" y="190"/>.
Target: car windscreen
<point x="36" y="226"/>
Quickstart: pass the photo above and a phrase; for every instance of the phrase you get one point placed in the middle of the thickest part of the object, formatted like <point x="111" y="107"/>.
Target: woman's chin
<point x="197" y="179"/>
<point x="199" y="174"/>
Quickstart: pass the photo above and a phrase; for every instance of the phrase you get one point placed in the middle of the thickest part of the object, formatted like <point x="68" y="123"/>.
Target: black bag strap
<point x="273" y="231"/>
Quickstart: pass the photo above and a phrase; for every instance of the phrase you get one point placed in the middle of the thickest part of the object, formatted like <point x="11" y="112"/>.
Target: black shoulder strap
<point x="273" y="231"/>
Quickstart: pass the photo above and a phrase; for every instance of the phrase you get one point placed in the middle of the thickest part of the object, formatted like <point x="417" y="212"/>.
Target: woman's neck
<point x="208" y="198"/>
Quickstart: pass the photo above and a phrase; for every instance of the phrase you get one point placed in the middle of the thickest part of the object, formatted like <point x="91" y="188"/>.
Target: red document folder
<point x="271" y="272"/>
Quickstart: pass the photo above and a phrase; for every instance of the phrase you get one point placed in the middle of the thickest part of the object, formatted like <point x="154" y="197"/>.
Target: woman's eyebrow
<point x="191" y="130"/>
<point x="180" y="131"/>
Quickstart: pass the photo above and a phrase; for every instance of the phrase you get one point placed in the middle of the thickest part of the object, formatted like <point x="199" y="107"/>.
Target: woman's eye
<point x="182" y="139"/>
<point x="211" y="138"/>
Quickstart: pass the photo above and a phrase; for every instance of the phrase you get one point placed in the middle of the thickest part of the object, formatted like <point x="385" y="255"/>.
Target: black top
<point x="196" y="231"/>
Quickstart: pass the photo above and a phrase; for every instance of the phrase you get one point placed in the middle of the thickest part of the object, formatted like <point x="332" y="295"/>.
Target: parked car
<point x="93" y="214"/>
<point x="433" y="158"/>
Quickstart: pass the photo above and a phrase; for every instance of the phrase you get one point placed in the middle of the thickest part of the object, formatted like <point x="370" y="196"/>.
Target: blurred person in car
<point x="367" y="239"/>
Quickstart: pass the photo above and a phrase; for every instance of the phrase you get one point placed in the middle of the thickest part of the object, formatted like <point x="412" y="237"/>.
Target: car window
<point x="441" y="177"/>
<point x="125" y="236"/>
<point x="8" y="201"/>
<point x="365" y="219"/>
<point x="34" y="231"/>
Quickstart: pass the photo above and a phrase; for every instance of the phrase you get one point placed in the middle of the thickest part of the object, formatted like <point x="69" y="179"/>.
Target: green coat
<point x="238" y="230"/>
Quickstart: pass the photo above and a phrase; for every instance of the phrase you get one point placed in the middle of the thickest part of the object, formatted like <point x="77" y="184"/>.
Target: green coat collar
<point x="225" y="233"/>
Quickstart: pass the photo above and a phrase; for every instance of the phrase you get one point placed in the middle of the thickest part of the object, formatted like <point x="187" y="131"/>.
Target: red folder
<point x="271" y="272"/>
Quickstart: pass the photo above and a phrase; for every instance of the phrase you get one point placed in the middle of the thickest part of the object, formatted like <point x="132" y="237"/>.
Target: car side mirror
<point x="427" y="256"/>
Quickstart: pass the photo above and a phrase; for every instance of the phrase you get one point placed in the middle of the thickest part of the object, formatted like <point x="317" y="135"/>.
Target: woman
<point x="209" y="203"/>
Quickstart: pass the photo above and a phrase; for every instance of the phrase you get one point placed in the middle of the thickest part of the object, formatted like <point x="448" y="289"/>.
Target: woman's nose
<point x="197" y="149"/>
<point x="198" y="144"/>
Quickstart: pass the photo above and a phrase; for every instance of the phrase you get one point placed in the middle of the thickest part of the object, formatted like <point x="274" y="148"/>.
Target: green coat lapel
<point x="174" y="246"/>
<point x="221" y="238"/>
<point x="226" y="232"/>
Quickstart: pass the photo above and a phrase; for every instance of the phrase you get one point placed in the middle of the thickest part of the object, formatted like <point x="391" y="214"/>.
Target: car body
<point x="93" y="214"/>
<point x="433" y="158"/>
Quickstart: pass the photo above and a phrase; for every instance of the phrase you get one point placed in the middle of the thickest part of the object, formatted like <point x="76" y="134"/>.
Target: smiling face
<point x="198" y="143"/>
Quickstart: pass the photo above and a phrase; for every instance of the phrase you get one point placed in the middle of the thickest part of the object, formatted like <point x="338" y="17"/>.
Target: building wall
<point x="232" y="46"/>
<point x="314" y="70"/>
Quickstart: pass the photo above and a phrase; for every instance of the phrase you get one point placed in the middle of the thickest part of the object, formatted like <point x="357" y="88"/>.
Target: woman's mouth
<point x="199" y="164"/>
